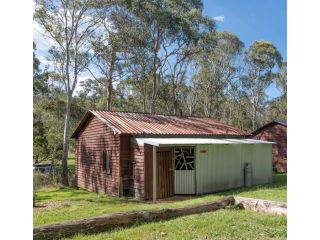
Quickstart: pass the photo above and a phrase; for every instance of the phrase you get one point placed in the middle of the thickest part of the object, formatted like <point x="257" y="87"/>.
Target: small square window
<point x="106" y="161"/>
<point x="184" y="158"/>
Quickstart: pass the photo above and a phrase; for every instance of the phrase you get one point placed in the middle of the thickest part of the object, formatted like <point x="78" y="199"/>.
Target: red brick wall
<point x="276" y="133"/>
<point x="90" y="143"/>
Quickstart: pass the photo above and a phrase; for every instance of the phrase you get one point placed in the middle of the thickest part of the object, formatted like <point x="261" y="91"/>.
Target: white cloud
<point x="43" y="59"/>
<point x="219" y="18"/>
<point x="43" y="42"/>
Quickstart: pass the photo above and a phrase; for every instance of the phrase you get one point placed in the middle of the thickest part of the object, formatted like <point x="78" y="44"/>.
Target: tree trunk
<point x="174" y="99"/>
<point x="154" y="73"/>
<point x="260" y="205"/>
<point x="190" y="110"/>
<point x="144" y="93"/>
<point x="254" y="117"/>
<point x="66" y="132"/>
<point x="154" y="90"/>
<point x="109" y="81"/>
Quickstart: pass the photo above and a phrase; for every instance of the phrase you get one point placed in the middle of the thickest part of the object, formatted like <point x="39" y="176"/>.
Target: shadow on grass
<point x="76" y="195"/>
<point x="278" y="181"/>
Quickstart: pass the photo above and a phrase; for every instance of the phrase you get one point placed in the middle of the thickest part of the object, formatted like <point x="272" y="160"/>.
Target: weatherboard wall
<point x="277" y="133"/>
<point x="90" y="142"/>
<point x="137" y="187"/>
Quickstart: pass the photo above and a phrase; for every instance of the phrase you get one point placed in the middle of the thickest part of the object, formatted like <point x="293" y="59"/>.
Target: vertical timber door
<point x="165" y="174"/>
<point x="184" y="174"/>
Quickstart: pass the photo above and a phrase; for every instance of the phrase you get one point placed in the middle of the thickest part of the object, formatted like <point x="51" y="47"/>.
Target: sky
<point x="252" y="20"/>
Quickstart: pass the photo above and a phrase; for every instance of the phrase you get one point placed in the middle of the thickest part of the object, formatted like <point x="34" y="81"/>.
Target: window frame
<point x="106" y="161"/>
<point x="178" y="167"/>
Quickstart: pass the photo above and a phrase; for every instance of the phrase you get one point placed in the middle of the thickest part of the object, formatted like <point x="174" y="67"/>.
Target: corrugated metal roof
<point x="146" y="123"/>
<point x="195" y="141"/>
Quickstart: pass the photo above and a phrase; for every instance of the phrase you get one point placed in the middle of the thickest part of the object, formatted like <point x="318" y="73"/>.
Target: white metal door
<point x="184" y="174"/>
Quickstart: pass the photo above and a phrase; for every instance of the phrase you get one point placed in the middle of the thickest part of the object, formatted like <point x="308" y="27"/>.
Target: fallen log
<point x="112" y="221"/>
<point x="260" y="205"/>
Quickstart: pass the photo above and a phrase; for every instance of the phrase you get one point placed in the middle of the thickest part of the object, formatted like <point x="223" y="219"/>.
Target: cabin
<point x="149" y="156"/>
<point x="275" y="131"/>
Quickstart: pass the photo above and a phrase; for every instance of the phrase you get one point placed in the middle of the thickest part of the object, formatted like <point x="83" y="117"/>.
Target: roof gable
<point x="283" y="123"/>
<point x="146" y="123"/>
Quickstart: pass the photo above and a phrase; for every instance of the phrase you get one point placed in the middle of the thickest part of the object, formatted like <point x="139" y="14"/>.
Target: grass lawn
<point x="222" y="224"/>
<point x="57" y="205"/>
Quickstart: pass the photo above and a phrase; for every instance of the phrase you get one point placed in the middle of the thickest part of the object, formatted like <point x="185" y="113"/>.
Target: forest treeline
<point x="157" y="56"/>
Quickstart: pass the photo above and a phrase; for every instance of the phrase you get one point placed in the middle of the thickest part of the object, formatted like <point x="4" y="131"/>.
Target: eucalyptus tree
<point x="106" y="61"/>
<point x="177" y="77"/>
<point x="260" y="60"/>
<point x="178" y="58"/>
<point x="69" y="24"/>
<point x="217" y="68"/>
<point x="163" y="21"/>
<point x="139" y="67"/>
<point x="281" y="78"/>
<point x="110" y="46"/>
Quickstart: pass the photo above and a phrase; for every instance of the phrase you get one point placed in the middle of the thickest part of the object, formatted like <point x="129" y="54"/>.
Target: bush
<point x="44" y="180"/>
<point x="47" y="180"/>
<point x="71" y="175"/>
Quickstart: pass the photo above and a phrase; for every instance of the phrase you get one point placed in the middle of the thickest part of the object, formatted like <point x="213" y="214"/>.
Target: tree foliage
<point x="260" y="59"/>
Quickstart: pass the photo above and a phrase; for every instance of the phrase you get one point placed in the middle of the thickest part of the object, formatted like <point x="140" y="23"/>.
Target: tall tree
<point x="217" y="67"/>
<point x="281" y="78"/>
<point x="277" y="107"/>
<point x="139" y="66"/>
<point x="163" y="20"/>
<point x="109" y="46"/>
<point x="69" y="24"/>
<point x="260" y="58"/>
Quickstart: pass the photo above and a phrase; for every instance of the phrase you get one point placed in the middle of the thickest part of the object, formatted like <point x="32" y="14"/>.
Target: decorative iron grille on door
<point x="184" y="158"/>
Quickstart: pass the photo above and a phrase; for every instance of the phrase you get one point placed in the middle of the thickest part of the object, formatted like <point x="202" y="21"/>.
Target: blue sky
<point x="252" y="20"/>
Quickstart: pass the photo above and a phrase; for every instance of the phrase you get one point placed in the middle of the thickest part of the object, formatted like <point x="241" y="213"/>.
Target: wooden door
<point x="165" y="171"/>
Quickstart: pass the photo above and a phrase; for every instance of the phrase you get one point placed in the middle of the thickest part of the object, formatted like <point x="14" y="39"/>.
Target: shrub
<point x="71" y="175"/>
<point x="49" y="180"/>
<point x="44" y="180"/>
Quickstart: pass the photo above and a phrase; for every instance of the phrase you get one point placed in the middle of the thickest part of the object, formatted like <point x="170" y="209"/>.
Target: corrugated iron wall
<point x="220" y="167"/>
<point x="184" y="182"/>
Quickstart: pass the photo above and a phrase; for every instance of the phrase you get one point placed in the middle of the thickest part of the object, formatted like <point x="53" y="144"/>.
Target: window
<point x="106" y="159"/>
<point x="184" y="158"/>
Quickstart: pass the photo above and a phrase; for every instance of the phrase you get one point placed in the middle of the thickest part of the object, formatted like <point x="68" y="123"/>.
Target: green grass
<point x="222" y="224"/>
<point x="71" y="160"/>
<point x="73" y="204"/>
<point x="276" y="191"/>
